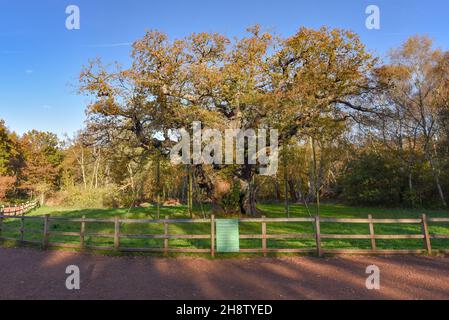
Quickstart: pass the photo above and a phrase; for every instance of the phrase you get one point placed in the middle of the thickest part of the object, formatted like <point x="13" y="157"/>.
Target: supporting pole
<point x="117" y="233"/>
<point x="425" y="230"/>
<point x="82" y="232"/>
<point x="212" y="236"/>
<point x="264" y="237"/>
<point x="315" y="176"/>
<point x="46" y="229"/>
<point x="318" y="236"/>
<point x="371" y="232"/>
<point x="1" y="222"/>
<point x="190" y="185"/>
<point x="22" y="228"/>
<point x="158" y="181"/>
<point x="286" y="204"/>
<point x="166" y="236"/>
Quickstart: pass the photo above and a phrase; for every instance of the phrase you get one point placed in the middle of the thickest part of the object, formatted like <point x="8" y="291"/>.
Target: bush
<point x="79" y="197"/>
<point x="6" y="185"/>
<point x="372" y="180"/>
<point x="230" y="201"/>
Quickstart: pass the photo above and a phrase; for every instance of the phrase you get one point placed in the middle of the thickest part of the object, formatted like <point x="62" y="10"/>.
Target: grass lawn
<point x="271" y="210"/>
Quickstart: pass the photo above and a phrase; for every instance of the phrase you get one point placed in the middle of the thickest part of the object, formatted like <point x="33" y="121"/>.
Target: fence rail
<point x="317" y="235"/>
<point x="20" y="209"/>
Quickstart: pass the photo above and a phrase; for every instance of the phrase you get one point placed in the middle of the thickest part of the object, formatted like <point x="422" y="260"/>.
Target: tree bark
<point x="317" y="183"/>
<point x="213" y="186"/>
<point x="190" y="191"/>
<point x="247" y="200"/>
<point x="437" y="182"/>
<point x="277" y="190"/>
<point x="292" y="191"/>
<point x="435" y="169"/>
<point x="158" y="182"/>
<point x="286" y="205"/>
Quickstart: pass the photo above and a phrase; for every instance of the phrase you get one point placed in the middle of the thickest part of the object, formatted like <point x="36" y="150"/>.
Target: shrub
<point x="79" y="197"/>
<point x="230" y="200"/>
<point x="6" y="185"/>
<point x="372" y="180"/>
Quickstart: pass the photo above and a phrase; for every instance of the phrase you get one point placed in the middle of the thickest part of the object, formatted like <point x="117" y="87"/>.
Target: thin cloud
<point x="29" y="71"/>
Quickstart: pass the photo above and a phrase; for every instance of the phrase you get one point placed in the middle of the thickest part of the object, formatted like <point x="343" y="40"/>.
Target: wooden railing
<point x="20" y="209"/>
<point x="317" y="236"/>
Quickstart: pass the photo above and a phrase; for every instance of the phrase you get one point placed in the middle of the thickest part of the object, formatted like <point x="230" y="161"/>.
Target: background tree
<point x="416" y="80"/>
<point x="11" y="161"/>
<point x="42" y="154"/>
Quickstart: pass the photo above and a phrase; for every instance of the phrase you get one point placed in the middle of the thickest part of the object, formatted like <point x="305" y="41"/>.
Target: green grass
<point x="270" y="210"/>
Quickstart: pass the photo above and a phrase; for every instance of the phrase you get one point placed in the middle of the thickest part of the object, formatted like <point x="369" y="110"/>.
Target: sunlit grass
<point x="269" y="210"/>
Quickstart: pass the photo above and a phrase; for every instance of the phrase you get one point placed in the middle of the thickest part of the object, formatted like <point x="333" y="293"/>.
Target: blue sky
<point x="41" y="59"/>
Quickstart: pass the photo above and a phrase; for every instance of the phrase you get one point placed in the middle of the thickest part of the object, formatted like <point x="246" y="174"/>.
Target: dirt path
<point x="33" y="274"/>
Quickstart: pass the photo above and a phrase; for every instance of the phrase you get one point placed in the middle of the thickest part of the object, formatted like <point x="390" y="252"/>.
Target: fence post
<point x="264" y="237"/>
<point x="425" y="231"/>
<point x="371" y="232"/>
<point x="166" y="238"/>
<point x="212" y="236"/>
<point x="1" y="221"/>
<point x="318" y="236"/>
<point x="22" y="228"/>
<point x="82" y="232"/>
<point x="46" y="228"/>
<point x="117" y="233"/>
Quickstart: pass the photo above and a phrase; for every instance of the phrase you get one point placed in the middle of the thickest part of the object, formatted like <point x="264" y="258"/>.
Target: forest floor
<point x="36" y="274"/>
<point x="270" y="210"/>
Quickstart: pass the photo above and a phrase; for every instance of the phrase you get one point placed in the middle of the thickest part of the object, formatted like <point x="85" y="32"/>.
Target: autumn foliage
<point x="351" y="128"/>
<point x="6" y="185"/>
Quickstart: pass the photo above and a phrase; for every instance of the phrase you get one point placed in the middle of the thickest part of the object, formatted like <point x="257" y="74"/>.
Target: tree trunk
<point x="247" y="200"/>
<point x="317" y="183"/>
<point x="286" y="205"/>
<point x="438" y="184"/>
<point x="436" y="176"/>
<point x="190" y="191"/>
<point x="277" y="190"/>
<point x="184" y="188"/>
<point x="82" y="165"/>
<point x="158" y="182"/>
<point x="293" y="194"/>
<point x="410" y="188"/>
<point x="42" y="200"/>
<point x="215" y="188"/>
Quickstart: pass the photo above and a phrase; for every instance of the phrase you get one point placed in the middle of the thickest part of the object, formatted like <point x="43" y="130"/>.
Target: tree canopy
<point x="350" y="127"/>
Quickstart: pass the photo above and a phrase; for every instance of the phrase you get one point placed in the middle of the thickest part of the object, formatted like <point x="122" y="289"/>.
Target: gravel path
<point x="34" y="274"/>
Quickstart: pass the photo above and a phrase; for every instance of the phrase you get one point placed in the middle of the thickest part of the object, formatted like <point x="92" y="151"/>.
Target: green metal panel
<point x="227" y="235"/>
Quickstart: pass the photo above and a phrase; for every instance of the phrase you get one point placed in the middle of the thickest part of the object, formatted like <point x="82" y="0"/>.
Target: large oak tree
<point x="292" y="85"/>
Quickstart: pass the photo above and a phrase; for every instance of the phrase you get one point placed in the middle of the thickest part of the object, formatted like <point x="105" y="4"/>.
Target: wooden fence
<point x="20" y="209"/>
<point x="317" y="236"/>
